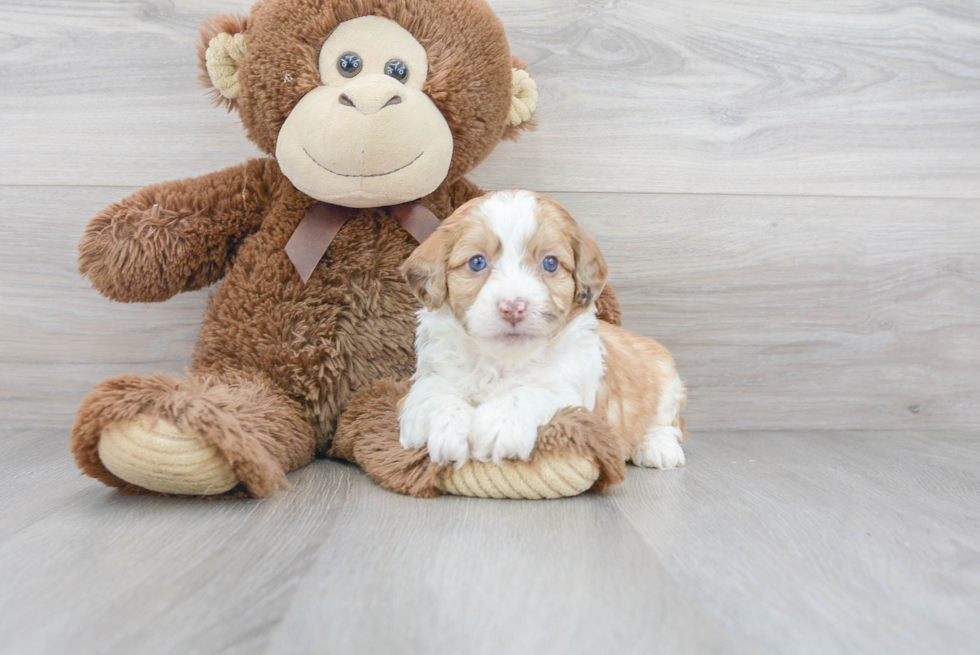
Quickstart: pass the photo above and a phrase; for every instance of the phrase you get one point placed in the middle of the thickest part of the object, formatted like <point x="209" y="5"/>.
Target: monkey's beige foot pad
<point x="152" y="453"/>
<point x="577" y="451"/>
<point x="554" y="476"/>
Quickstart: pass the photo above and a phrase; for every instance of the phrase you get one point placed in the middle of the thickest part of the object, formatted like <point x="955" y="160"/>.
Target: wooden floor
<point x="789" y="198"/>
<point x="775" y="542"/>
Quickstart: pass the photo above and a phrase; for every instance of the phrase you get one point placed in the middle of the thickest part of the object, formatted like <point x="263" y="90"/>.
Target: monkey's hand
<point x="176" y="236"/>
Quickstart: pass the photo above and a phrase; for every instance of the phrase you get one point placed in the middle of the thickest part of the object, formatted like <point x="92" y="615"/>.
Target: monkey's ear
<point x="591" y="270"/>
<point x="425" y="270"/>
<point x="221" y="48"/>
<point x="523" y="101"/>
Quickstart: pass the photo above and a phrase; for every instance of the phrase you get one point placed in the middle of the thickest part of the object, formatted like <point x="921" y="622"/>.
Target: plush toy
<point x="371" y="112"/>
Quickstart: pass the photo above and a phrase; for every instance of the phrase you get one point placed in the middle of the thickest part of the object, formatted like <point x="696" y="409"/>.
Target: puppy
<point x="509" y="335"/>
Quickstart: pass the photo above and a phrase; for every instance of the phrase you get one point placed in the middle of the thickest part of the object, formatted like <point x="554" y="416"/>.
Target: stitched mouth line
<point x="371" y="175"/>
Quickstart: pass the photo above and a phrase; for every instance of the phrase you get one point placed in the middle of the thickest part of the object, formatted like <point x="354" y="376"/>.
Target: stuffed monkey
<point x="371" y="112"/>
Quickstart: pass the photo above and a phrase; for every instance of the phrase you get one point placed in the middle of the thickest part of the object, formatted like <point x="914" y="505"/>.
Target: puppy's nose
<point x="513" y="310"/>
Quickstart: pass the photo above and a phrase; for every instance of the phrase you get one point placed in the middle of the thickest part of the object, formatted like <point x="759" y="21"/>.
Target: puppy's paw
<point x="413" y="426"/>
<point x="499" y="433"/>
<point x="449" y="429"/>
<point x="660" y="449"/>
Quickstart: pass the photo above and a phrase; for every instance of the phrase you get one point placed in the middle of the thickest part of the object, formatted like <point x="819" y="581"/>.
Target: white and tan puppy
<point x="509" y="335"/>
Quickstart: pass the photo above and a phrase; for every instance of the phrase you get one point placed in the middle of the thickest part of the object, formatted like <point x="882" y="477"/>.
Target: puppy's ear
<point x="425" y="270"/>
<point x="591" y="271"/>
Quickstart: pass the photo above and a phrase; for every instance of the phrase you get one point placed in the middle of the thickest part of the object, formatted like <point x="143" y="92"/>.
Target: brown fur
<point x="368" y="435"/>
<point x="278" y="360"/>
<point x="552" y="239"/>
<point x="586" y="433"/>
<point x="176" y="236"/>
<point x="581" y="254"/>
<point x="638" y="369"/>
<point x="469" y="64"/>
<point x="577" y="252"/>
<point x="462" y="284"/>
<point x="608" y="308"/>
<point x="425" y="269"/>
<point x="261" y="432"/>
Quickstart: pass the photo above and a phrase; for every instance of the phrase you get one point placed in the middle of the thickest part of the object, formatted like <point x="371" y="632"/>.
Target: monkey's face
<point x="367" y="103"/>
<point x="368" y="135"/>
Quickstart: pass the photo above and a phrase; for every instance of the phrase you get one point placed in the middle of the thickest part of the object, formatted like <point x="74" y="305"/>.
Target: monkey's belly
<point x="351" y="324"/>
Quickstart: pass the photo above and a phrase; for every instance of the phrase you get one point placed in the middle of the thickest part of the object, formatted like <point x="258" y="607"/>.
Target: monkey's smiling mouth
<point x="313" y="159"/>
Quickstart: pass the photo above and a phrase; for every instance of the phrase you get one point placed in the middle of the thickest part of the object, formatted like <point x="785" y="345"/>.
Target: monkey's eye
<point x="477" y="263"/>
<point x="397" y="69"/>
<point x="550" y="264"/>
<point x="349" y="64"/>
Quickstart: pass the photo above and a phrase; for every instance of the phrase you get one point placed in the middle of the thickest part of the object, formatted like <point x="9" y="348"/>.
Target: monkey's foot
<point x="576" y="451"/>
<point x="206" y="435"/>
<point x="152" y="453"/>
<point x="554" y="476"/>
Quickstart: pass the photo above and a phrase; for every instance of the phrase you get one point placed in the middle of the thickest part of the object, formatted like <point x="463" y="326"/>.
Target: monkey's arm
<point x="176" y="236"/>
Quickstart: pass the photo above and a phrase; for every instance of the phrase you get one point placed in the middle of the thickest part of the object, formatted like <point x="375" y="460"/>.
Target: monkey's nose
<point x="513" y="310"/>
<point x="370" y="103"/>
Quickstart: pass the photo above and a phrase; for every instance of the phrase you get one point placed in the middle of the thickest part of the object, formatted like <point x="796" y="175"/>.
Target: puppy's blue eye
<point x="477" y="263"/>
<point x="550" y="264"/>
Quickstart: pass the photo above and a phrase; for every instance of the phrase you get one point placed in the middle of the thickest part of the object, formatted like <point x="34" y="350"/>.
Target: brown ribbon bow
<point x="313" y="235"/>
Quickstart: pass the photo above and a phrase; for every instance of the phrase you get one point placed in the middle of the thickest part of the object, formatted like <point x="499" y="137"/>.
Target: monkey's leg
<point x="206" y="435"/>
<point x="576" y="451"/>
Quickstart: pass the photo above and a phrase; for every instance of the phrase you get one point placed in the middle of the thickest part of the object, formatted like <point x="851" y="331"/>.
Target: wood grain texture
<point x="805" y="312"/>
<point x="783" y="311"/>
<point x="788" y="195"/>
<point x="845" y="313"/>
<point x="880" y="97"/>
<point x="812" y="542"/>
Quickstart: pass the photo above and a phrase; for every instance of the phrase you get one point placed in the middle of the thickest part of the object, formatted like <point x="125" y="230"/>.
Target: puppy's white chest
<point x="490" y="379"/>
<point x="570" y="368"/>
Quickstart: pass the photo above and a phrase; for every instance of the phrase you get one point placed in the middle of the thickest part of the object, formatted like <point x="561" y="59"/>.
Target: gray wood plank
<point x="105" y="573"/>
<point x="787" y="314"/>
<point x="93" y="90"/>
<point x="850" y="313"/>
<point x="37" y="477"/>
<point x="875" y="98"/>
<point x="790" y="542"/>
<point x="824" y="542"/>
<point x="803" y="312"/>
<point x="461" y="576"/>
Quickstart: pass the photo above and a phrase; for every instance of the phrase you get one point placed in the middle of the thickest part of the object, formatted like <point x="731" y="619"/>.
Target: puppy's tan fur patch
<point x="474" y="238"/>
<point x="639" y="373"/>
